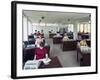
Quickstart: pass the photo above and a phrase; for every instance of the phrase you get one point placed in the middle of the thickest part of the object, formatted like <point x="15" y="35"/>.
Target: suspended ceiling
<point x="55" y="17"/>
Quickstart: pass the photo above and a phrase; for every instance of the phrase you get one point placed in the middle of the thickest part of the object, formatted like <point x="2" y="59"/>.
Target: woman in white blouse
<point x="65" y="38"/>
<point x="38" y="41"/>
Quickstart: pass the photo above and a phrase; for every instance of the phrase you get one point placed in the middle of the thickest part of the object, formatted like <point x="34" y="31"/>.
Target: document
<point x="32" y="64"/>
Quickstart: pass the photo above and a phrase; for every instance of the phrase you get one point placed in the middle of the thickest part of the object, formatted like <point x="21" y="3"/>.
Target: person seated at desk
<point x="35" y="32"/>
<point x="51" y="31"/>
<point x="38" y="33"/>
<point x="65" y="38"/>
<point x="40" y="52"/>
<point x="58" y="35"/>
<point x="42" y="34"/>
<point x="35" y="36"/>
<point x="84" y="48"/>
<point x="39" y="39"/>
<point x="83" y="43"/>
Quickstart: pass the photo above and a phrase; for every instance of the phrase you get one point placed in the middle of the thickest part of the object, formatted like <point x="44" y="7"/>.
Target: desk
<point x="55" y="63"/>
<point x="51" y="35"/>
<point x="57" y="40"/>
<point x="83" y="58"/>
<point x="83" y="35"/>
<point x="69" y="45"/>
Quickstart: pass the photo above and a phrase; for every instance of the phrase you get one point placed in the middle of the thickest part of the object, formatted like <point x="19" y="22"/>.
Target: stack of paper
<point x="46" y="61"/>
<point x="32" y="64"/>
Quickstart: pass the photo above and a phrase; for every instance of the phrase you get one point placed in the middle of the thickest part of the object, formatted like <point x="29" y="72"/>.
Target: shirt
<point x="65" y="38"/>
<point x="40" y="53"/>
<point x="83" y="43"/>
<point x="42" y="35"/>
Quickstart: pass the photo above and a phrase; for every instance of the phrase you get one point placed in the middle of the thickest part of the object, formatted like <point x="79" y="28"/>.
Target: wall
<point x="27" y="28"/>
<point x="46" y="27"/>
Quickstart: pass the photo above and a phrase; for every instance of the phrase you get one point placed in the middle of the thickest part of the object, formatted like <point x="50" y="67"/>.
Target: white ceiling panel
<point x="55" y="17"/>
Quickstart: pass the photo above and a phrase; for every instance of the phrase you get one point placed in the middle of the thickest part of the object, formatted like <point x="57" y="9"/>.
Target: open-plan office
<point x="66" y="37"/>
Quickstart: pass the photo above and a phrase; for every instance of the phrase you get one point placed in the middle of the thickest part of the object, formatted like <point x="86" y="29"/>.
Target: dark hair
<point x="58" y="32"/>
<point x="42" y="44"/>
<point x="42" y="30"/>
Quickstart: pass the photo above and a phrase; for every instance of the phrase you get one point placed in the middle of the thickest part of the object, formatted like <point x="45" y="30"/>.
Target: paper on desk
<point x="45" y="61"/>
<point x="32" y="64"/>
<point x="85" y="49"/>
<point x="30" y="46"/>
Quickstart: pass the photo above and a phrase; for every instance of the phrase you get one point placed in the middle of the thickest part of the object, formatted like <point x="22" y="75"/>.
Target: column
<point x="75" y="31"/>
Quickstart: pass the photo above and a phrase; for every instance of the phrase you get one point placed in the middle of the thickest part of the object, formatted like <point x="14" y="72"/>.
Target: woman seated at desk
<point x="39" y="39"/>
<point x="65" y="38"/>
<point x="83" y="43"/>
<point x="35" y="36"/>
<point x="42" y="34"/>
<point x="41" y="52"/>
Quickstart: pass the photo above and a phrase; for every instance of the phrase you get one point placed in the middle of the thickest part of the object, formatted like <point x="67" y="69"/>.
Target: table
<point x="51" y="35"/>
<point x="55" y="63"/>
<point x="83" y="58"/>
<point x="57" y="40"/>
<point x="69" y="45"/>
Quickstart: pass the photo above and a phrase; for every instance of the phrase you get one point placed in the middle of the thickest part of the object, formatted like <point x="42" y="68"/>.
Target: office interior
<point x="67" y="53"/>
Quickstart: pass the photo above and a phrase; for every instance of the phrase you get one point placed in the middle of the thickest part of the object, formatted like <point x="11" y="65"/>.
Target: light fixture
<point x="41" y="19"/>
<point x="68" y="20"/>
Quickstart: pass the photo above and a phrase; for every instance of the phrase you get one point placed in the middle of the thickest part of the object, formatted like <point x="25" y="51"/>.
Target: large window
<point x="70" y="27"/>
<point x="84" y="27"/>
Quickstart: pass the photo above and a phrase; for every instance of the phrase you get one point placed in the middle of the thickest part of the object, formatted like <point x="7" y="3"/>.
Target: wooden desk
<point x="51" y="35"/>
<point x="55" y="63"/>
<point x="83" y="58"/>
<point x="69" y="45"/>
<point x="57" y="40"/>
<point x="83" y="35"/>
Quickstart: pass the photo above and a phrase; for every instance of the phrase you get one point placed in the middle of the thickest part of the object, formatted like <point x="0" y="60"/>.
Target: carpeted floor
<point x="67" y="58"/>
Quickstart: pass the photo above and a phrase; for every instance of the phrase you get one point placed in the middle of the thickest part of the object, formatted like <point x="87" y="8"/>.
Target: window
<point x="89" y="28"/>
<point x="70" y="27"/>
<point x="83" y="27"/>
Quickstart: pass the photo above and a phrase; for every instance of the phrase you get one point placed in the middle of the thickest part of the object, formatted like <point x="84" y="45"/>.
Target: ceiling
<point x="55" y="17"/>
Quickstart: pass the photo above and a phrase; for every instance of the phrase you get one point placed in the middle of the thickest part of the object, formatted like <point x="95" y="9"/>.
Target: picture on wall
<point x="53" y="39"/>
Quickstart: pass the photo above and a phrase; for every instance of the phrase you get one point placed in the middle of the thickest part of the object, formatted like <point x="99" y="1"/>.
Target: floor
<point x="67" y="58"/>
